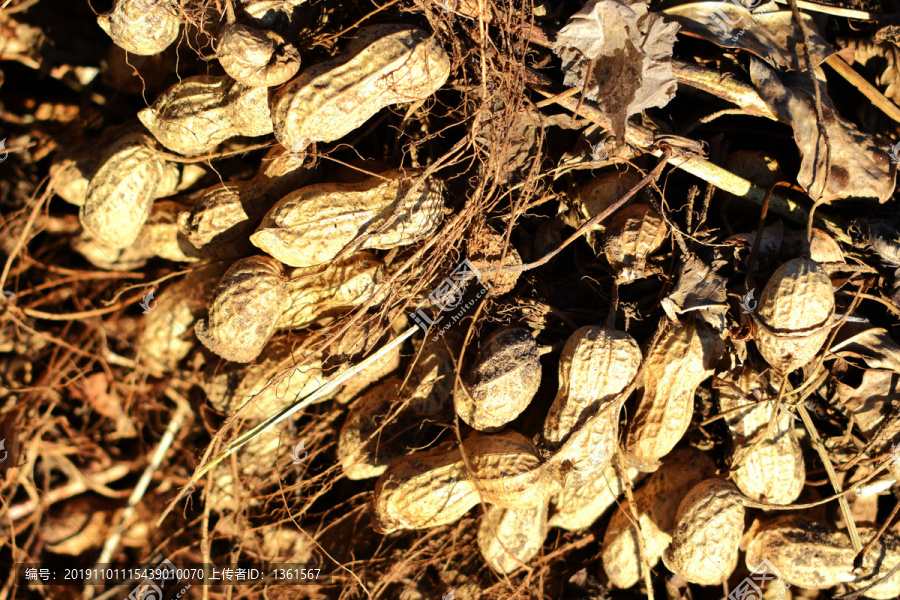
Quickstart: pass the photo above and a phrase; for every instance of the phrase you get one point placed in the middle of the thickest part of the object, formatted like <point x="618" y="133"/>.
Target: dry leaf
<point x="769" y="32"/>
<point x="882" y="237"/>
<point x="855" y="165"/>
<point x="874" y="346"/>
<point x="700" y="288"/>
<point x="627" y="54"/>
<point x="871" y="401"/>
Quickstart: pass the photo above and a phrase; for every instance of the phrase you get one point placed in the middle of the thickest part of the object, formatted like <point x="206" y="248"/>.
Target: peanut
<point x="423" y="490"/>
<point x="197" y="114"/>
<point x="245" y="309"/>
<point x="223" y="216"/>
<point x="578" y="507"/>
<point x="121" y="193"/>
<point x="509" y="538"/>
<point x="815" y="556"/>
<point x="675" y="367"/>
<point x="656" y="503"/>
<point x="344" y="284"/>
<point x="708" y="530"/>
<point x="506" y="469"/>
<point x="142" y="27"/>
<point x="386" y="64"/>
<point x="161" y="237"/>
<point x="362" y="453"/>
<point x="582" y="427"/>
<point x="312" y="225"/>
<point x="167" y="335"/>
<point x="773" y="471"/>
<point x="256" y="57"/>
<point x="795" y="310"/>
<point x="502" y="382"/>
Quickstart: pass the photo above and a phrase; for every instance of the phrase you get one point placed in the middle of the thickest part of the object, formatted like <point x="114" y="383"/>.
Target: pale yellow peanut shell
<point x="509" y="538"/>
<point x="345" y="283"/>
<point x="245" y="308"/>
<point x="385" y="64"/>
<point x="161" y="236"/>
<point x="708" y="530"/>
<point x="363" y="451"/>
<point x="595" y="365"/>
<point x="423" y="490"/>
<point x="794" y="313"/>
<point x="142" y="27"/>
<point x="588" y="451"/>
<point x="256" y="57"/>
<point x="505" y="377"/>
<point x="682" y="359"/>
<point x="168" y="329"/>
<point x="578" y="507"/>
<point x="816" y="556"/>
<point x="121" y="193"/>
<point x="506" y="469"/>
<point x="773" y="471"/>
<point x="312" y="225"/>
<point x="198" y="113"/>
<point x="656" y="503"/>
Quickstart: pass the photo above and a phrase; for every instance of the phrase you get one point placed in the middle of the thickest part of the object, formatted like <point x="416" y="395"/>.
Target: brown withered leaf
<point x="873" y="346"/>
<point x="700" y="288"/>
<point x="855" y="165"/>
<point x="871" y="401"/>
<point x="627" y="54"/>
<point x="768" y="32"/>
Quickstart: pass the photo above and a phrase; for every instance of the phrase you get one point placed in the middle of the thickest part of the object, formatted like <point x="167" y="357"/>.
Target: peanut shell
<point x="245" y="309"/>
<point x="256" y="57"/>
<point x="506" y="469"/>
<point x="708" y="530"/>
<point x="795" y="310"/>
<point x="142" y="27"/>
<point x="635" y="232"/>
<point x="578" y="507"/>
<point x="121" y="193"/>
<point x="681" y="360"/>
<point x="505" y="377"/>
<point x="385" y="64"/>
<point x="509" y="538"/>
<point x="312" y="225"/>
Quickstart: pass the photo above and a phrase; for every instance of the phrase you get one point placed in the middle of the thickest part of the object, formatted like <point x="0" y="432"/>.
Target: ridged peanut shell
<point x="773" y="471"/>
<point x="505" y="377"/>
<point x="656" y="503"/>
<point x="256" y="57"/>
<point x="635" y="233"/>
<point x="817" y="557"/>
<point x="708" y="530"/>
<point x="198" y="113"/>
<point x="312" y="225"/>
<point x="506" y="469"/>
<point x="509" y="538"/>
<point x="681" y="360"/>
<point x="589" y="450"/>
<point x="334" y="288"/>
<point x="596" y="364"/>
<point x="142" y="27"/>
<point x="578" y="507"/>
<point x="245" y="308"/>
<point x="385" y="64"/>
<point x="168" y="334"/>
<point x="363" y="453"/>
<point x="121" y="193"/>
<point x="423" y="490"/>
<point x="161" y="236"/>
<point x="793" y="315"/>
